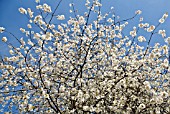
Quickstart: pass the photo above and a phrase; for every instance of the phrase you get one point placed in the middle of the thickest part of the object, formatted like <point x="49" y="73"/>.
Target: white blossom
<point x="47" y="8"/>
<point x="141" y="39"/>
<point x="162" y="32"/>
<point x="60" y="17"/>
<point x="141" y="106"/>
<point x="162" y="20"/>
<point x="2" y="29"/>
<point x="151" y="28"/>
<point x="4" y="39"/>
<point x="29" y="26"/>
<point x="138" y="12"/>
<point x="30" y="107"/>
<point x="86" y="108"/>
<point x="167" y="40"/>
<point x="37" y="1"/>
<point x="22" y="10"/>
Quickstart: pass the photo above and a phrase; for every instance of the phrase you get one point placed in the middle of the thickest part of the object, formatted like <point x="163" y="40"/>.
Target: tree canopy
<point x="85" y="66"/>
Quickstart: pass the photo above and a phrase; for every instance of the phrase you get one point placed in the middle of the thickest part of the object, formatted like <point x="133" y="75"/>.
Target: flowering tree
<point x="85" y="66"/>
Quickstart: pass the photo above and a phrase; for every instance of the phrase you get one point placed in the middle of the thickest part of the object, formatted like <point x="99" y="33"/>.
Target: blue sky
<point x="12" y="20"/>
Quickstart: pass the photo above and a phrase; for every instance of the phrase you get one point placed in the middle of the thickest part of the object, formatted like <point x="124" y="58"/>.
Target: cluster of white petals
<point x="138" y="12"/>
<point x="162" y="33"/>
<point x="133" y="33"/>
<point x="4" y="39"/>
<point x="162" y="20"/>
<point x="2" y="29"/>
<point x="151" y="28"/>
<point x="141" y="39"/>
<point x="22" y="10"/>
<point x="47" y="8"/>
<point x="37" y="1"/>
<point x="30" y="12"/>
<point x="60" y="17"/>
<point x="167" y="40"/>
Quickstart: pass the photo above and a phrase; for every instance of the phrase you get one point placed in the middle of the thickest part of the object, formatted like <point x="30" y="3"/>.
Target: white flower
<point x="109" y="20"/>
<point x="70" y="11"/>
<point x="138" y="12"/>
<point x="162" y="32"/>
<point x="2" y="29"/>
<point x="141" y="19"/>
<point x="126" y="23"/>
<point x="52" y="26"/>
<point x="30" y="107"/>
<point x="151" y="28"/>
<point x="30" y="12"/>
<point x="30" y="21"/>
<point x="30" y="43"/>
<point x="81" y="20"/>
<point x="47" y="8"/>
<point x="4" y="39"/>
<point x="37" y="1"/>
<point x="164" y="94"/>
<point x="39" y="7"/>
<point x="146" y="25"/>
<point x="62" y="88"/>
<point x="141" y="106"/>
<point x="165" y="15"/>
<point x="147" y="85"/>
<point x="112" y="8"/>
<point x="133" y="33"/>
<point x="37" y="35"/>
<point x="157" y="110"/>
<point x="60" y="17"/>
<point x="22" y="30"/>
<point x="48" y="83"/>
<point x="29" y="26"/>
<point x="38" y="18"/>
<point x="167" y="40"/>
<point x="161" y="20"/>
<point x="159" y="99"/>
<point x="128" y="43"/>
<point x="22" y="10"/>
<point x="141" y="39"/>
<point x="141" y="25"/>
<point x="71" y="4"/>
<point x="86" y="108"/>
<point x="11" y="52"/>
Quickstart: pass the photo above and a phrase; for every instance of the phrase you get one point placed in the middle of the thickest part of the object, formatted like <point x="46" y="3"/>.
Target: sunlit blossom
<point x="22" y="10"/>
<point x="2" y="29"/>
<point x="141" y="39"/>
<point x="60" y="17"/>
<point x="87" y="64"/>
<point x="4" y="39"/>
<point x="138" y="12"/>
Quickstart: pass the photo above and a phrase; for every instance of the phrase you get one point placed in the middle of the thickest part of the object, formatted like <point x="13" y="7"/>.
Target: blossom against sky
<point x="12" y="20"/>
<point x="125" y="64"/>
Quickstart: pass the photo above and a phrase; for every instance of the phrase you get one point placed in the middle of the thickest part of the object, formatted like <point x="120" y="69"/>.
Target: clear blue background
<point x="12" y="20"/>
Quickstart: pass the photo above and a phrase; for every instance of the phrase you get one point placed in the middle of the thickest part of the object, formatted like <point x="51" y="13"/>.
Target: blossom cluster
<point x="85" y="67"/>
